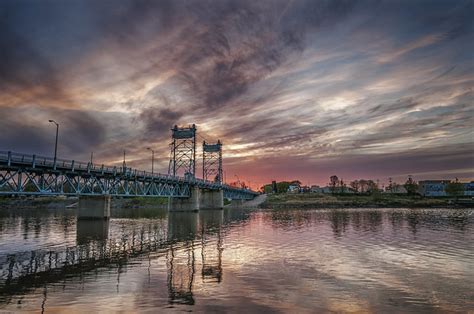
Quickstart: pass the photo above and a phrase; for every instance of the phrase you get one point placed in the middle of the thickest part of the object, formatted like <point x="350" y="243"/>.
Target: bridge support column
<point x="187" y="203"/>
<point x="94" y="207"/>
<point x="212" y="199"/>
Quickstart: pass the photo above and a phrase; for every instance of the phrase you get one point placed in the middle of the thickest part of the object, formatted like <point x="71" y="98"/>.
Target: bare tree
<point x="355" y="185"/>
<point x="333" y="182"/>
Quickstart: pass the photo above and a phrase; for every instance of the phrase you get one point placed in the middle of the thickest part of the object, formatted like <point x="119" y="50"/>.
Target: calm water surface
<point x="363" y="260"/>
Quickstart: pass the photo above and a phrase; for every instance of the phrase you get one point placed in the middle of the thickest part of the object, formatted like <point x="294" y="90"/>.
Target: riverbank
<point x="58" y="202"/>
<point x="61" y="202"/>
<point x="310" y="200"/>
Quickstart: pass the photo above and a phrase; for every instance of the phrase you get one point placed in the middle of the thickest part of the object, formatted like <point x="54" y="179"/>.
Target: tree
<point x="363" y="185"/>
<point x="282" y="187"/>
<point x="296" y="182"/>
<point x="355" y="186"/>
<point x="333" y="182"/>
<point x="395" y="187"/>
<point x="267" y="189"/>
<point x="342" y="186"/>
<point x="411" y="186"/>
<point x="454" y="188"/>
<point x="372" y="187"/>
<point x="390" y="185"/>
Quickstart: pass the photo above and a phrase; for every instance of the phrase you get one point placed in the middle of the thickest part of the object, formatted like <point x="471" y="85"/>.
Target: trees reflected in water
<point x="356" y="220"/>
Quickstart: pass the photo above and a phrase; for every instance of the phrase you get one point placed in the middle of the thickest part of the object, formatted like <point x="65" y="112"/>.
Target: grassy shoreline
<point x="284" y="201"/>
<point x="273" y="201"/>
<point x="62" y="202"/>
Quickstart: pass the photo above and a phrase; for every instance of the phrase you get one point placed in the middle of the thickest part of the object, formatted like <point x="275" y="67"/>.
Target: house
<point x="315" y="189"/>
<point x="432" y="187"/>
<point x="345" y="190"/>
<point x="305" y="189"/>
<point x="469" y="189"/>
<point x="294" y="188"/>
<point x="326" y="190"/>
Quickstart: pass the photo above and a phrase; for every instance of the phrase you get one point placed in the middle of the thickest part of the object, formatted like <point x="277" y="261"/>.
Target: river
<point x="363" y="260"/>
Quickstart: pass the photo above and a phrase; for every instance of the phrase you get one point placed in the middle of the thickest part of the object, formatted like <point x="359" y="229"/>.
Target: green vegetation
<point x="310" y="200"/>
<point x="454" y="189"/>
<point x="411" y="186"/>
<point x="282" y="187"/>
<point x="135" y="202"/>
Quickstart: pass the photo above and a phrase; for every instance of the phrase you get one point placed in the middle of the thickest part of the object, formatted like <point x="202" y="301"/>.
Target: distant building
<point x="305" y="189"/>
<point x="432" y="187"/>
<point x="346" y="190"/>
<point x="469" y="188"/>
<point x="326" y="190"/>
<point x="315" y="189"/>
<point x="294" y="188"/>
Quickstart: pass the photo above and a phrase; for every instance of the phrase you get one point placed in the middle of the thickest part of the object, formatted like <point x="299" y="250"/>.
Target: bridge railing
<point x="35" y="161"/>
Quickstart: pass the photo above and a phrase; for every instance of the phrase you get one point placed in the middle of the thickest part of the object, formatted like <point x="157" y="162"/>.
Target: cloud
<point x="26" y="129"/>
<point x="294" y="85"/>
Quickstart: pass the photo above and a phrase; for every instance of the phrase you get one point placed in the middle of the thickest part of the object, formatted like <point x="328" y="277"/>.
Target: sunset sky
<point x="294" y="89"/>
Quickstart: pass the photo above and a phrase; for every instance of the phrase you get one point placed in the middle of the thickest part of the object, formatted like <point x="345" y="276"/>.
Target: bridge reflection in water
<point x="180" y="238"/>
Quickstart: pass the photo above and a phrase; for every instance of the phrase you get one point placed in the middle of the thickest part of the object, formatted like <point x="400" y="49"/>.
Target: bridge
<point x="24" y="174"/>
<point x="179" y="238"/>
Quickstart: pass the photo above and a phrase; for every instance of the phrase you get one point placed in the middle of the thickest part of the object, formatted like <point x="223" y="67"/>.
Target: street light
<point x="152" y="158"/>
<point x="56" y="144"/>
<point x="238" y="180"/>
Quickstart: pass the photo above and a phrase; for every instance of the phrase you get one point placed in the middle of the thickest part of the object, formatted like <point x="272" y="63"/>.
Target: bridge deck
<point x="38" y="175"/>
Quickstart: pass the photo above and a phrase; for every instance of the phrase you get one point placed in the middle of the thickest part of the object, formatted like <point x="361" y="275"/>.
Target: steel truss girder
<point x="28" y="182"/>
<point x="238" y="194"/>
<point x="22" y="174"/>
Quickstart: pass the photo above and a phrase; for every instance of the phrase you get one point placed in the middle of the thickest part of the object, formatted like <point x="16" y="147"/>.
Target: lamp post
<point x="152" y="159"/>
<point x="238" y="180"/>
<point x="56" y="144"/>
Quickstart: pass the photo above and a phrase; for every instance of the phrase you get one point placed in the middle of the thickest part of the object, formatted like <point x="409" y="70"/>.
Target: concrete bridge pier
<point x="185" y="204"/>
<point x="212" y="199"/>
<point x="94" y="207"/>
<point x="199" y="199"/>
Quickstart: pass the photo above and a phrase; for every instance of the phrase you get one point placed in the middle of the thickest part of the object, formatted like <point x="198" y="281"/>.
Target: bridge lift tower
<point x="212" y="161"/>
<point x="183" y="151"/>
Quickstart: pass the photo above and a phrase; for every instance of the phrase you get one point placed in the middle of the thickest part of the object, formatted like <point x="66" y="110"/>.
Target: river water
<point x="362" y="260"/>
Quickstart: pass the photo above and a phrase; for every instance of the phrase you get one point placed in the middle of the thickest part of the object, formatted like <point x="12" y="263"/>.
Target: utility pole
<point x="152" y="159"/>
<point x="92" y="155"/>
<point x="56" y="143"/>
<point x="124" y="164"/>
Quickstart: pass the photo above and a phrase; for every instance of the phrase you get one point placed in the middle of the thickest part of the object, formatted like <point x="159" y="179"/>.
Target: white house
<point x="293" y="188"/>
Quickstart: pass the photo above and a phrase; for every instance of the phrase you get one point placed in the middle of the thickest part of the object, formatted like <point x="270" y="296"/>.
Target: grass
<point x="350" y="200"/>
<point x="144" y="201"/>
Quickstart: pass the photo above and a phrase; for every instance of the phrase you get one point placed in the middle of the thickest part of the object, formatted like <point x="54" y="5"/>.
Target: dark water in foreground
<point x="364" y="260"/>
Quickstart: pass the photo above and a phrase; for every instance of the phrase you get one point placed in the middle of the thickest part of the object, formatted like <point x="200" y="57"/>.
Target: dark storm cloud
<point x="27" y="129"/>
<point x="23" y="68"/>
<point x="290" y="80"/>
<point x="221" y="48"/>
<point x="158" y="121"/>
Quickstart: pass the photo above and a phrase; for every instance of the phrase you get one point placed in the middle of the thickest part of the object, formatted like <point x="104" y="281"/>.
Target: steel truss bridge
<point x="22" y="174"/>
